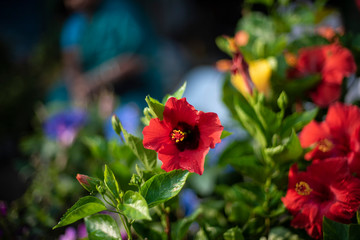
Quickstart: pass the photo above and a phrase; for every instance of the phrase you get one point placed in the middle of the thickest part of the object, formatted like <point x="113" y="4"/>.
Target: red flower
<point x="337" y="136"/>
<point x="333" y="62"/>
<point x="326" y="189"/>
<point x="183" y="137"/>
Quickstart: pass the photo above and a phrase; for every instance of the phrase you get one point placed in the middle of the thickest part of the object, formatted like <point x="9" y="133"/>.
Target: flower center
<point x="185" y="136"/>
<point x="178" y="135"/>
<point x="303" y="188"/>
<point x="325" y="145"/>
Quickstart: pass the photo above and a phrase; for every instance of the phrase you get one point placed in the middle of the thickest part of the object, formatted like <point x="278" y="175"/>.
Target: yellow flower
<point x="260" y="73"/>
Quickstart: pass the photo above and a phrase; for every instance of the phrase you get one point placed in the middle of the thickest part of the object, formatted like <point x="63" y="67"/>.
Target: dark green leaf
<point x="111" y="183"/>
<point x="102" y="227"/>
<point x="334" y="231"/>
<point x="134" y="206"/>
<point x="84" y="207"/>
<point x="233" y="234"/>
<point x="156" y="108"/>
<point x="163" y="187"/>
<point x="180" y="228"/>
<point x="146" y="231"/>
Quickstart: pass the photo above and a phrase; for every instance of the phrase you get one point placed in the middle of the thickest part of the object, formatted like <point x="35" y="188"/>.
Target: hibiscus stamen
<point x="178" y="135"/>
<point x="303" y="188"/>
<point x="325" y="145"/>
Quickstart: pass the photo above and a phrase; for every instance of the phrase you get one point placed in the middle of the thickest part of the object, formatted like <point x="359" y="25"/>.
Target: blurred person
<point x="108" y="43"/>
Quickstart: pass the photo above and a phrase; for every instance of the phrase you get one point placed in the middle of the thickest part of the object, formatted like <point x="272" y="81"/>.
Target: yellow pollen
<point x="178" y="135"/>
<point x="325" y="145"/>
<point x="303" y="188"/>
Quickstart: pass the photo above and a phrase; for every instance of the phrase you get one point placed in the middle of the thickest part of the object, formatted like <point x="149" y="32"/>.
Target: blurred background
<point x="39" y="40"/>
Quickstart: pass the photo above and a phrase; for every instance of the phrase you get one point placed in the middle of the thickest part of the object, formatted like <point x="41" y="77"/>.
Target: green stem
<point x="126" y="225"/>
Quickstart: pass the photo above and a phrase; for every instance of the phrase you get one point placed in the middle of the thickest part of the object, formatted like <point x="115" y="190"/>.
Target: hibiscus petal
<point x="343" y="118"/>
<point x="193" y="160"/>
<point x="179" y="110"/>
<point x="325" y="94"/>
<point x="210" y="129"/>
<point x="156" y="135"/>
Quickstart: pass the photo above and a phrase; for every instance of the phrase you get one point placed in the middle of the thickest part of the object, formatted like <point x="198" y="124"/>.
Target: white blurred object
<point x="204" y="91"/>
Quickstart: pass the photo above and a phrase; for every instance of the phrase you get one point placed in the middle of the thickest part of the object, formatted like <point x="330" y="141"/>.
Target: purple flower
<point x="64" y="126"/>
<point x="81" y="231"/>
<point x="70" y="234"/>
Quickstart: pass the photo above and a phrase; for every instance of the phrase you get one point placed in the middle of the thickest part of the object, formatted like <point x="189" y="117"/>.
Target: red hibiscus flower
<point x="183" y="137"/>
<point x="337" y="136"/>
<point x="326" y="189"/>
<point x="333" y="62"/>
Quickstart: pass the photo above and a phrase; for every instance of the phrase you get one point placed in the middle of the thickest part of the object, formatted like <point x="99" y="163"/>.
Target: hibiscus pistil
<point x="303" y="188"/>
<point x="178" y="135"/>
<point x="325" y="145"/>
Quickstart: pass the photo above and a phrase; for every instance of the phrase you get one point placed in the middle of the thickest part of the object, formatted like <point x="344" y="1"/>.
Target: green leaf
<point x="146" y="231"/>
<point x="233" y="234"/>
<point x="180" y="92"/>
<point x="84" y="207"/>
<point x="177" y="94"/>
<point x="297" y="121"/>
<point x="163" y="187"/>
<point x="146" y="156"/>
<point x="156" y="108"/>
<point x="281" y="233"/>
<point x="134" y="206"/>
<point x="289" y="150"/>
<point x="249" y="165"/>
<point x="181" y="227"/>
<point x="115" y="124"/>
<point x="297" y="87"/>
<point x="111" y="183"/>
<point x="223" y="44"/>
<point x="333" y="230"/>
<point x="249" y="120"/>
<point x="102" y="227"/>
<point x="225" y="134"/>
<point x="282" y="101"/>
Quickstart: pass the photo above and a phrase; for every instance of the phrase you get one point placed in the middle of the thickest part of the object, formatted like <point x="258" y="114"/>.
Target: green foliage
<point x="146" y="156"/>
<point x="162" y="187"/>
<point x="134" y="206"/>
<point x="156" y="108"/>
<point x="84" y="207"/>
<point x="233" y="234"/>
<point x="333" y="230"/>
<point x="102" y="227"/>
<point x="111" y="183"/>
<point x="181" y="227"/>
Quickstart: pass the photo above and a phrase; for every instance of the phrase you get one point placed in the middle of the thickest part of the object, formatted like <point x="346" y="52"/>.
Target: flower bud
<point x="89" y="183"/>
